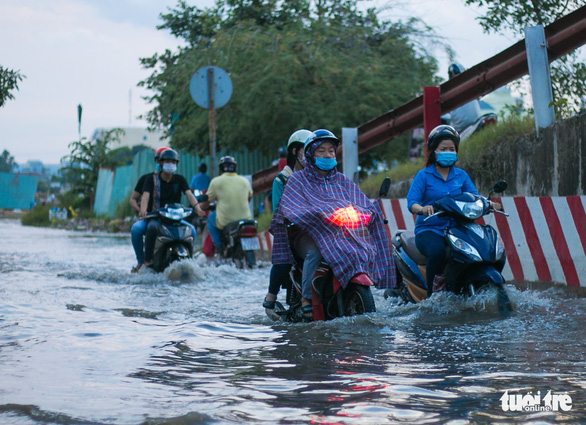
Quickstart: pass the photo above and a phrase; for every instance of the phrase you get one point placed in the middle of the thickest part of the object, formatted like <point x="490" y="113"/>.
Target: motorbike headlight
<point x="500" y="248"/>
<point x="175" y="213"/>
<point x="465" y="247"/>
<point x="471" y="210"/>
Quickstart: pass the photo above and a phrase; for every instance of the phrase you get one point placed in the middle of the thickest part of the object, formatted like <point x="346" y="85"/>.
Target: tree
<point x="294" y="64"/>
<point x="6" y="162"/>
<point x="568" y="74"/>
<point x="86" y="159"/>
<point x="8" y="82"/>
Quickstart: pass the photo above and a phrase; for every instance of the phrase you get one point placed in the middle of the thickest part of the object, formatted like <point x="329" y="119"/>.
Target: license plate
<point x="249" y="244"/>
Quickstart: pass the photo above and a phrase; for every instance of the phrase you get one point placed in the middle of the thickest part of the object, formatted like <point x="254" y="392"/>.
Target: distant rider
<point x="232" y="193"/>
<point x="138" y="229"/>
<point x="200" y="181"/>
<point x="440" y="178"/>
<point x="164" y="188"/>
<point x="280" y="272"/>
<point x="310" y="199"/>
<point x="466" y="115"/>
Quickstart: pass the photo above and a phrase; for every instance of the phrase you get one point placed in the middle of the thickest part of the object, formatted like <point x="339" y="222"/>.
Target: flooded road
<point x="82" y="341"/>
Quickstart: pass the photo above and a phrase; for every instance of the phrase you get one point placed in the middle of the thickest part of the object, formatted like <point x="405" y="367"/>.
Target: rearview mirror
<point x="500" y="186"/>
<point x="384" y="187"/>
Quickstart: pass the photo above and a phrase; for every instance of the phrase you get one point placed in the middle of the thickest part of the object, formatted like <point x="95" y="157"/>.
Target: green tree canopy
<point x="9" y="80"/>
<point x="6" y="162"/>
<point x="293" y="64"/>
<point x="568" y="73"/>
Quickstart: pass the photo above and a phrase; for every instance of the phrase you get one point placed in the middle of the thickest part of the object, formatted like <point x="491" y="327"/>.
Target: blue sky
<point x="87" y="52"/>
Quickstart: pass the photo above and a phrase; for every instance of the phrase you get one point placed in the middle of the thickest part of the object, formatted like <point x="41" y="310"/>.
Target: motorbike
<point x="475" y="252"/>
<point x="329" y="299"/>
<point x="239" y="239"/>
<point x="174" y="240"/>
<point x="485" y="120"/>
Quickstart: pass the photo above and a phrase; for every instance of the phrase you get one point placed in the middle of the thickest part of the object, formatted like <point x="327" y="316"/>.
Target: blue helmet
<point x="321" y="134"/>
<point x="455" y="69"/>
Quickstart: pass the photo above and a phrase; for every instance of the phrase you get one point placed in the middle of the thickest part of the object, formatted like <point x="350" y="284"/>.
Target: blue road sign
<point x="221" y="87"/>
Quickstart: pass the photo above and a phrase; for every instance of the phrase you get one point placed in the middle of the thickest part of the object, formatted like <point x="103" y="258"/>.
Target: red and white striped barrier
<point x="545" y="237"/>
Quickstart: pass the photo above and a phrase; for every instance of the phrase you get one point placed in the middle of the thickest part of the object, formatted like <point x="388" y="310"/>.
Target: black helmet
<point x="227" y="163"/>
<point x="455" y="69"/>
<point x="169" y="154"/>
<point x="442" y="132"/>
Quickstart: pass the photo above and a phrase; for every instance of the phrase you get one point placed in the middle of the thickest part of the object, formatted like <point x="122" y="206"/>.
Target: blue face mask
<point x="446" y="159"/>
<point x="325" y="164"/>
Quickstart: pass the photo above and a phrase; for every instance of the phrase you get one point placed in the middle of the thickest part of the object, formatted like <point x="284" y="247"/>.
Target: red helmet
<point x="159" y="151"/>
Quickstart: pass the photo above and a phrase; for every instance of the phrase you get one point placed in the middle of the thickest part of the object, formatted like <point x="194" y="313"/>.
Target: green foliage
<point x="9" y="80"/>
<point x="86" y="159"/>
<point x="294" y="64"/>
<point x="6" y="162"/>
<point x="37" y="216"/>
<point x="404" y="171"/>
<point x="264" y="221"/>
<point x="472" y="152"/>
<point x="568" y="74"/>
<point x="124" y="209"/>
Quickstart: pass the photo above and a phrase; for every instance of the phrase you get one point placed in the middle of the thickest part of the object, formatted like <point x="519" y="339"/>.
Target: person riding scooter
<point x="440" y="178"/>
<point x="138" y="229"/>
<point x="232" y="194"/>
<point x="164" y="188"/>
<point x="466" y="115"/>
<point x="280" y="272"/>
<point x="315" y="198"/>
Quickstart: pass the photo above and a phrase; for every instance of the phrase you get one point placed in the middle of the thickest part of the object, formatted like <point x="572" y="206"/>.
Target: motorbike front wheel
<point x="358" y="299"/>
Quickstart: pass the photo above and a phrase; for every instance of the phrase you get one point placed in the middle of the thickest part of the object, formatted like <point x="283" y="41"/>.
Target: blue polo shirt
<point x="428" y="186"/>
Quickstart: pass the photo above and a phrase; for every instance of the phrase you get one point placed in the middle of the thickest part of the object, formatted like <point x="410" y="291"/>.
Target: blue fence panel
<point x="17" y="191"/>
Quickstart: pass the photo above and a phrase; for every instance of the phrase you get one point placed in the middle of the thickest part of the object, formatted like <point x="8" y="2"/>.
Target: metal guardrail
<point x="563" y="36"/>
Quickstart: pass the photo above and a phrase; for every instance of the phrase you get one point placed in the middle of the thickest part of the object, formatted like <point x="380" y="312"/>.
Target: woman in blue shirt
<point x="440" y="178"/>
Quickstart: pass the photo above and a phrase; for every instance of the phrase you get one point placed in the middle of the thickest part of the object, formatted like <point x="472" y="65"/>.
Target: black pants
<point x="279" y="274"/>
<point x="433" y="247"/>
<point x="149" y="240"/>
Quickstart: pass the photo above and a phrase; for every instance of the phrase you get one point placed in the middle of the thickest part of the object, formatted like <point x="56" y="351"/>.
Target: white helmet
<point x="299" y="136"/>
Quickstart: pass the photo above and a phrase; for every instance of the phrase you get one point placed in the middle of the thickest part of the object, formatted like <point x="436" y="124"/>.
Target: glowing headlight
<point x="465" y="247"/>
<point x="500" y="248"/>
<point x="471" y="209"/>
<point x="175" y="213"/>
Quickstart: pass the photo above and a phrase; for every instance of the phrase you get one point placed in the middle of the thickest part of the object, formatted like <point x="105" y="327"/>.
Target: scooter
<point x="485" y="120"/>
<point x="329" y="299"/>
<point x="174" y="237"/>
<point x="239" y="239"/>
<point x="475" y="252"/>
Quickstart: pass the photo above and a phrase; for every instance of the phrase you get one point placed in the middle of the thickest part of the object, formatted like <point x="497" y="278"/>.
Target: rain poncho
<point x="345" y="225"/>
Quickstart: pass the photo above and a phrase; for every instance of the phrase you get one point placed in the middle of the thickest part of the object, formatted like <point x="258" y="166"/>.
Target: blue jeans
<point x="306" y="248"/>
<point x="433" y="247"/>
<point x="137" y="232"/>
<point x="215" y="233"/>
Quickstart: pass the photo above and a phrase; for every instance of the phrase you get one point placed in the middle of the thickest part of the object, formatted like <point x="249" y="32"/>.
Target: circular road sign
<point x="221" y="87"/>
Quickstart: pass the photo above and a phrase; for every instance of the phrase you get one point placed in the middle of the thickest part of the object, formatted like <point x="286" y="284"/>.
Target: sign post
<point x="211" y="88"/>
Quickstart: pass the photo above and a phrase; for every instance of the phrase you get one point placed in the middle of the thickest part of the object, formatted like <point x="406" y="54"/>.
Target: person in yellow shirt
<point x="232" y="193"/>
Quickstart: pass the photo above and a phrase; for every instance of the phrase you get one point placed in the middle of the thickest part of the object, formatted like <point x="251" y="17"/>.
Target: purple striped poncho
<point x="307" y="202"/>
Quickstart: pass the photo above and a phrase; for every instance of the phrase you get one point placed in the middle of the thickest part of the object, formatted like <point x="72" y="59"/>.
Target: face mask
<point x="158" y="168"/>
<point x="446" y="159"/>
<point x="325" y="164"/>
<point x="169" y="168"/>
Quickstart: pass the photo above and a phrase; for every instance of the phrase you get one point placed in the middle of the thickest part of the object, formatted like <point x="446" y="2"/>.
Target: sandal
<point x="269" y="304"/>
<point x="136" y="268"/>
<point x="307" y="311"/>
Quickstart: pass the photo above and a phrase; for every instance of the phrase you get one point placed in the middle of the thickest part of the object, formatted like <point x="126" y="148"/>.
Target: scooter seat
<point x="408" y="243"/>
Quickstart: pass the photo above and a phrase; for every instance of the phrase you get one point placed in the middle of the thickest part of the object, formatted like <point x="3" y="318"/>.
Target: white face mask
<point x="169" y="168"/>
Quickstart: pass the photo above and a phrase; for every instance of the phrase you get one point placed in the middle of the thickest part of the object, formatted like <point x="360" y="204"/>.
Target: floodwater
<point x="82" y="341"/>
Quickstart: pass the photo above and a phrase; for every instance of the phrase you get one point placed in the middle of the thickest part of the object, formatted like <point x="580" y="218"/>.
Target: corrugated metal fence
<point x="115" y="186"/>
<point x="17" y="191"/>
